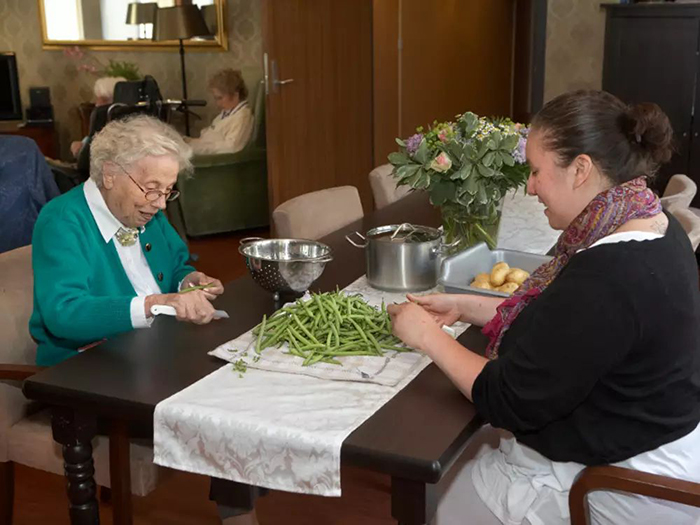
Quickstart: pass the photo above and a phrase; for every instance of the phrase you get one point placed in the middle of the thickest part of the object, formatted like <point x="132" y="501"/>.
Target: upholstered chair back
<point x="691" y="224"/>
<point x="384" y="188"/>
<point x="313" y="215"/>
<point x="679" y="192"/>
<point x="16" y="302"/>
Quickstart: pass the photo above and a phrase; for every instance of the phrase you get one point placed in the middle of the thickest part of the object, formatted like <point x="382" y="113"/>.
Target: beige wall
<point x="575" y="40"/>
<point x="19" y="32"/>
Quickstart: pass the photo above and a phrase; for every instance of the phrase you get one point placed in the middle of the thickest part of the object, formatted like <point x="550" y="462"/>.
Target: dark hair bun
<point x="650" y="128"/>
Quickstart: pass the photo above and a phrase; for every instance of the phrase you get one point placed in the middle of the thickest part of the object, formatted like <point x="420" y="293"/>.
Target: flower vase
<point x="463" y="229"/>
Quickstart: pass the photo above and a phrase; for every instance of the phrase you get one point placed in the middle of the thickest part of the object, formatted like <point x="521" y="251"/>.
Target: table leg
<point x="120" y="473"/>
<point x="413" y="502"/>
<point x="75" y="432"/>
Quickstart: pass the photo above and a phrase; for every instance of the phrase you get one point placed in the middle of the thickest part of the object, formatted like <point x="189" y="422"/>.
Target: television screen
<point x="10" y="103"/>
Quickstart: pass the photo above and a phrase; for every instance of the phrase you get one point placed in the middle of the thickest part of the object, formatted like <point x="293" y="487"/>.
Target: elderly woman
<point x="231" y="129"/>
<point x="104" y="253"/>
<point x="104" y="96"/>
<point x="598" y="353"/>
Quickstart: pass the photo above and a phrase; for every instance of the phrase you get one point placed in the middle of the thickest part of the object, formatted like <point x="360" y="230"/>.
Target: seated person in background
<point x="104" y="96"/>
<point x="231" y="129"/>
<point x="26" y="184"/>
<point x="596" y="357"/>
<point x="104" y="253"/>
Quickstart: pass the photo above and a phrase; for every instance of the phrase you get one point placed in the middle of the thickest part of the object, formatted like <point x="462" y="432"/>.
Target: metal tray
<point x="459" y="270"/>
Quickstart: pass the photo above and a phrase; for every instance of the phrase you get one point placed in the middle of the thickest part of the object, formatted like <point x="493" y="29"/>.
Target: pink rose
<point x="441" y="163"/>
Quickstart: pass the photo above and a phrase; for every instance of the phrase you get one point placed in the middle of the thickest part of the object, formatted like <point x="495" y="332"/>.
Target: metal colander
<point x="284" y="265"/>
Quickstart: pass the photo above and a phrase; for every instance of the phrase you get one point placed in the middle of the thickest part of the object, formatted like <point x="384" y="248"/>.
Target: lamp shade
<point x="210" y="14"/>
<point x="179" y="22"/>
<point x="141" y="13"/>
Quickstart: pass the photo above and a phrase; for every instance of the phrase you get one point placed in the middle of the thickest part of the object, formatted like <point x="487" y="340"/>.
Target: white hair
<point x="129" y="140"/>
<point x="104" y="87"/>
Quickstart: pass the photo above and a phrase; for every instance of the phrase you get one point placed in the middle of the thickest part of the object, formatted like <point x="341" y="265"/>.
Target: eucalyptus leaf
<point x="481" y="196"/>
<point x="485" y="171"/>
<point x="442" y="192"/>
<point x="507" y="158"/>
<point x="398" y="158"/>
<point x="471" y="121"/>
<point x="472" y="184"/>
<point x="421" y="154"/>
<point x="401" y="142"/>
<point x="407" y="170"/>
<point x="509" y="143"/>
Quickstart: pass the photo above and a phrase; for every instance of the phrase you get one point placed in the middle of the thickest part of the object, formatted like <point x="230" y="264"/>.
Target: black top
<point x="605" y="364"/>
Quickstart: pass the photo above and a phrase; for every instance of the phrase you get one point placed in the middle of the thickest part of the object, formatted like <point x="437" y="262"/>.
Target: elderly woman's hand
<point x="213" y="286"/>
<point x="412" y="324"/>
<point x="193" y="306"/>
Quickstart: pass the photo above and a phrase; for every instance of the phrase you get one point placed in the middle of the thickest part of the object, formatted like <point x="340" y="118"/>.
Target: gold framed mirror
<point x="123" y="25"/>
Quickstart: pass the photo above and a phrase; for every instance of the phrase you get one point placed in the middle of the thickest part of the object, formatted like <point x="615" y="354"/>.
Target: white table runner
<point x="277" y="430"/>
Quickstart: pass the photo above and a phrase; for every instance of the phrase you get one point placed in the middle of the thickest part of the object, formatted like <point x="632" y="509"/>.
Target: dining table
<point x="414" y="438"/>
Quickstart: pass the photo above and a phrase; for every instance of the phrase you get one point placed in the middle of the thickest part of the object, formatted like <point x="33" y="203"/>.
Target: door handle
<point x="275" y="78"/>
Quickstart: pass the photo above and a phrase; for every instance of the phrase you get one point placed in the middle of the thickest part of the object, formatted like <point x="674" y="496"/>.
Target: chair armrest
<point x="19" y="372"/>
<point x="225" y="159"/>
<point x="631" y="481"/>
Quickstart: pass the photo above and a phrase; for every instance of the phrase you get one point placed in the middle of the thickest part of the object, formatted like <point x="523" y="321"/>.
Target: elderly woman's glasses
<point x="153" y="195"/>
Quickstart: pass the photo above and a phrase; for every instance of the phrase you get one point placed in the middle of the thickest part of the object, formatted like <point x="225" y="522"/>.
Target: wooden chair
<point x="25" y="427"/>
<point x="630" y="481"/>
<point x="384" y="188"/>
<point x="313" y="215"/>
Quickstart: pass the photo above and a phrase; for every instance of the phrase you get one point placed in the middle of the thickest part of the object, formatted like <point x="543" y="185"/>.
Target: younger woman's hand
<point x="412" y="324"/>
<point x="443" y="307"/>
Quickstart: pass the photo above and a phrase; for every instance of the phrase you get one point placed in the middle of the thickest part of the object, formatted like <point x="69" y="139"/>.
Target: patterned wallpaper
<point x="574" y="52"/>
<point x="20" y="32"/>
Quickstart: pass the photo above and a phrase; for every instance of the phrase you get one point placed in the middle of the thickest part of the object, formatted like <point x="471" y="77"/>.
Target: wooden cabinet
<point x="651" y="55"/>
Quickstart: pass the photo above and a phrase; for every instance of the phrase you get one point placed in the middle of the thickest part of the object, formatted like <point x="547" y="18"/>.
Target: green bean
<point x="328" y="326"/>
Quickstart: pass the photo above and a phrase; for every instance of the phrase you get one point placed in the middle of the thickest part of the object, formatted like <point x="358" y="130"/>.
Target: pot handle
<point x="443" y="248"/>
<point x="356" y="245"/>
<point x="245" y="240"/>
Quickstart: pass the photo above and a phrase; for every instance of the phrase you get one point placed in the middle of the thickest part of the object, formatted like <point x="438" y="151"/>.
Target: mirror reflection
<point x="112" y="20"/>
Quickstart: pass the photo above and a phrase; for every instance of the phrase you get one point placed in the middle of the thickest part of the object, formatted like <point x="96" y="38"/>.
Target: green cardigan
<point x="81" y="291"/>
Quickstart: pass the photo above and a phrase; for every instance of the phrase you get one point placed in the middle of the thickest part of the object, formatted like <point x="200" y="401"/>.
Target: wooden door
<point x="654" y="60"/>
<point x="319" y="119"/>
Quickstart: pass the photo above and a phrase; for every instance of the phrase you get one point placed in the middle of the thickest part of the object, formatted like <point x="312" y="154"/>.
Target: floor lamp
<point x="180" y="23"/>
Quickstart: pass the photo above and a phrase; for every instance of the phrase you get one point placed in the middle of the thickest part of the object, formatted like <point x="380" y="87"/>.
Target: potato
<point x="483" y="277"/>
<point x="498" y="273"/>
<point x="517" y="276"/>
<point x="485" y="285"/>
<point x="508" y="288"/>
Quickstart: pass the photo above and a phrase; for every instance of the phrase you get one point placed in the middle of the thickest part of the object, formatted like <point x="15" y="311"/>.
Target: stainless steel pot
<point x="401" y="257"/>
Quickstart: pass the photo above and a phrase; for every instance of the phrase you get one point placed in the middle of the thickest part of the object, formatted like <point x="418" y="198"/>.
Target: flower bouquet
<point x="467" y="166"/>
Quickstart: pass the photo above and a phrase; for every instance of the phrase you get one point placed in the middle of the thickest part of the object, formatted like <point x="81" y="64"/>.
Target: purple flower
<point x="413" y="142"/>
<point x="519" y="152"/>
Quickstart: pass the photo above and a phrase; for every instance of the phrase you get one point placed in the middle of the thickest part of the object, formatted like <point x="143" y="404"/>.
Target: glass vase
<point x="463" y="229"/>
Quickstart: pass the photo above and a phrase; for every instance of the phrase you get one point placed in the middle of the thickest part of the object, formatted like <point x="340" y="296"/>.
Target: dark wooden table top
<point x="417" y="435"/>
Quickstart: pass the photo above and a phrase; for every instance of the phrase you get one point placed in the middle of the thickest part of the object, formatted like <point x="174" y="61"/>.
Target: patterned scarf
<point x="604" y="214"/>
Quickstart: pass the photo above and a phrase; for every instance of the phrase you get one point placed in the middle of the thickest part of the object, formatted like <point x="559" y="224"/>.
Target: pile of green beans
<point x="328" y="326"/>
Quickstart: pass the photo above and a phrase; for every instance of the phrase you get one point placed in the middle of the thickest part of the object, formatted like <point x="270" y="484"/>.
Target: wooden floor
<point x="182" y="499"/>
